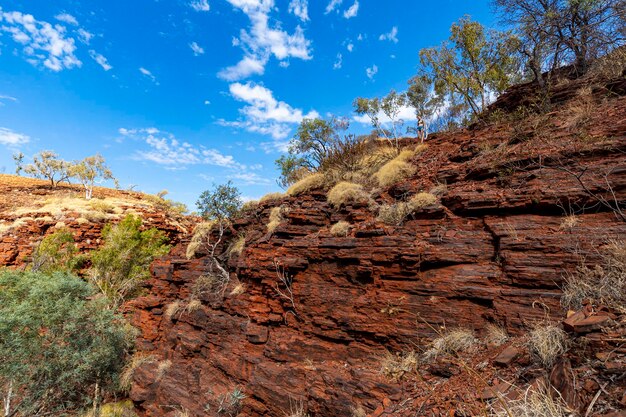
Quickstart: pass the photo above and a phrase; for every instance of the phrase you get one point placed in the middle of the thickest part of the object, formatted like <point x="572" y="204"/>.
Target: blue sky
<point x="181" y="94"/>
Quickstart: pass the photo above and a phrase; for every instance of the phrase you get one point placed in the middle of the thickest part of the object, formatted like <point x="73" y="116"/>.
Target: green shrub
<point x="57" y="252"/>
<point x="123" y="262"/>
<point x="56" y="343"/>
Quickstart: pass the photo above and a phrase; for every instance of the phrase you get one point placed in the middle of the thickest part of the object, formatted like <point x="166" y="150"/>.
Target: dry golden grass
<point x="193" y="305"/>
<point x="308" y="183"/>
<point x="171" y="309"/>
<point x="394" y="214"/>
<point x="421" y="200"/>
<point x="124" y="408"/>
<point x="341" y="228"/>
<point x="451" y="342"/>
<point x="394" y="171"/>
<point x="237" y="246"/>
<point x="536" y="402"/>
<point x="439" y="190"/>
<point x="496" y="335"/>
<point x="358" y="412"/>
<point x="579" y="111"/>
<point x="135" y="362"/>
<point x="272" y="197"/>
<point x="569" y="222"/>
<point x="200" y="235"/>
<point x="602" y="284"/>
<point x="396" y="366"/>
<point x="250" y="206"/>
<point x="238" y="290"/>
<point x="347" y="192"/>
<point x="277" y="216"/>
<point x="547" y="342"/>
<point x="162" y="369"/>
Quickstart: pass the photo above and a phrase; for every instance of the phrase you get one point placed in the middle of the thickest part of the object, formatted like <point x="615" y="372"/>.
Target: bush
<point x="221" y="203"/>
<point x="603" y="284"/>
<point x="48" y="165"/>
<point x="396" y="366"/>
<point x="422" y="200"/>
<point x="346" y="192"/>
<point x="57" y="252"/>
<point x="394" y="214"/>
<point x="547" y="342"/>
<point x="341" y="228"/>
<point x="56" y="342"/>
<point x="306" y="184"/>
<point x="123" y="261"/>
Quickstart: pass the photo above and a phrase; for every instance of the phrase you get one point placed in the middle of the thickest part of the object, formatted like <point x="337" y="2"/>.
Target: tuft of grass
<point x="250" y="205"/>
<point x="135" y="362"/>
<point x="451" y="342"/>
<point x="496" y="335"/>
<point x="341" y="228"/>
<point x="193" y="305"/>
<point x="536" y="402"/>
<point x="237" y="246"/>
<point x="162" y="368"/>
<point x="394" y="214"/>
<point x="547" y="342"/>
<point x="580" y="110"/>
<point x="439" y="189"/>
<point x="171" y="309"/>
<point x="271" y="197"/>
<point x="396" y="366"/>
<point x="393" y="171"/>
<point x="569" y="222"/>
<point x="238" y="290"/>
<point x="307" y="184"/>
<point x="421" y="200"/>
<point x="277" y="216"/>
<point x="200" y="234"/>
<point x="602" y="284"/>
<point x="358" y="412"/>
<point x="347" y="192"/>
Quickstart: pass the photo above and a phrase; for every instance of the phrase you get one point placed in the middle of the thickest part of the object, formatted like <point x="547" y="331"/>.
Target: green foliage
<point x="471" y="65"/>
<point x="390" y="106"/>
<point x="123" y="261"/>
<point x="49" y="166"/>
<point x="56" y="343"/>
<point x="57" y="252"/>
<point x="310" y="148"/>
<point x="90" y="171"/>
<point x="221" y="203"/>
<point x="18" y="158"/>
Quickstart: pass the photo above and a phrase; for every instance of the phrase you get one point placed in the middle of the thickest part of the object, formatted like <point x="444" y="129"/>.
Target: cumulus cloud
<point x="165" y="149"/>
<point x="332" y="6"/>
<point x="371" y="71"/>
<point x="339" y="62"/>
<point x="66" y="18"/>
<point x="350" y="47"/>
<point x="12" y="139"/>
<point x="263" y="113"/>
<point x="84" y="36"/>
<point x="43" y="43"/>
<point x="250" y="178"/>
<point x="262" y="41"/>
<point x="197" y="49"/>
<point x="391" y="36"/>
<point x="300" y="8"/>
<point x="406" y="113"/>
<point x="100" y="59"/>
<point x="149" y="75"/>
<point x="352" y="11"/>
<point x="200" y="5"/>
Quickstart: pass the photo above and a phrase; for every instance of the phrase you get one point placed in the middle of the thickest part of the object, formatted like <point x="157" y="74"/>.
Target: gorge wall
<point x="493" y="249"/>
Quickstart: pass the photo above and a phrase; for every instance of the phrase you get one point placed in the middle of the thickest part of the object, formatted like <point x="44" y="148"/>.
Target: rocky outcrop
<point x="318" y="313"/>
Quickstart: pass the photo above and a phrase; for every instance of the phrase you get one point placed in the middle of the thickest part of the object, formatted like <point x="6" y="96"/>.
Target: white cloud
<point x="197" y="49"/>
<point x="391" y="36"/>
<point x="200" y="5"/>
<point x="100" y="59"/>
<point x="371" y="72"/>
<point x="4" y="98"/>
<point x="12" y="139"/>
<point x="250" y="178"/>
<point x="339" y="62"/>
<point x="350" y="47"/>
<point x="300" y="8"/>
<point x="264" y="114"/>
<point x="261" y="41"/>
<point x="149" y="75"/>
<point x="84" y="36"/>
<point x="360" y="37"/>
<point x="207" y="103"/>
<point x="44" y="44"/>
<point x="66" y="18"/>
<point x="333" y="5"/>
<point x="406" y="113"/>
<point x="165" y="149"/>
<point x="352" y="11"/>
